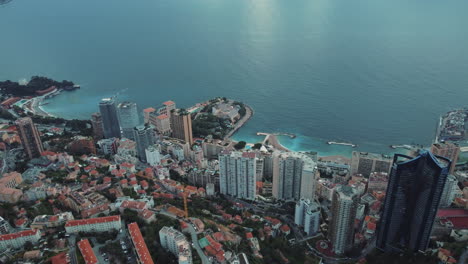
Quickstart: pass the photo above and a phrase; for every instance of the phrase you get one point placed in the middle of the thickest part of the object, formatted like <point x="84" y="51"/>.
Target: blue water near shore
<point x="370" y="72"/>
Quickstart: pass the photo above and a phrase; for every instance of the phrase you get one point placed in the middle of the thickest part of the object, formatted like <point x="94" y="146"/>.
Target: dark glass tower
<point x="110" y="118"/>
<point x="411" y="202"/>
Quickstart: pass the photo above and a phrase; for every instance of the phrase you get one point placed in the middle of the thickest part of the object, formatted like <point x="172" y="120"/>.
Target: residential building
<point x="412" y="198"/>
<point x="144" y="137"/>
<point x="181" y="125"/>
<point x="128" y="119"/>
<point x="96" y="123"/>
<point x="30" y="138"/>
<point x="138" y="242"/>
<point x="153" y="156"/>
<point x="87" y="252"/>
<point x="162" y="123"/>
<point x="5" y="227"/>
<point x="307" y="215"/>
<point x="110" y="118"/>
<point x="146" y="114"/>
<point x="175" y="242"/>
<point x="237" y="174"/>
<point x="49" y="221"/>
<point x="167" y="108"/>
<point x="293" y="176"/>
<point x="450" y="191"/>
<point x="99" y="224"/>
<point x="343" y="211"/>
<point x="378" y="181"/>
<point x="82" y="145"/>
<point x="365" y="163"/>
<point x="108" y="146"/>
<point x="447" y="150"/>
<point x="17" y="240"/>
<point x="8" y="182"/>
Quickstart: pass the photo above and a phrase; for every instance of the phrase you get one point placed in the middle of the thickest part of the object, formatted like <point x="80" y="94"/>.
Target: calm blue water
<point x="372" y="72"/>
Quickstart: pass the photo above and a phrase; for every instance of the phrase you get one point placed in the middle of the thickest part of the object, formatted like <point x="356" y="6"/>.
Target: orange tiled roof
<point x="92" y="221"/>
<point x="87" y="252"/>
<point x="140" y="245"/>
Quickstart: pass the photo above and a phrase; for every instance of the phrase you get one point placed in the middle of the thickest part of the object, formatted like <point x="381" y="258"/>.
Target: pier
<point x="341" y="143"/>
<point x="272" y="139"/>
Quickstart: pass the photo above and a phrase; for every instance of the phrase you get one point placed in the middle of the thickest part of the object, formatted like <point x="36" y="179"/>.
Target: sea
<point x="369" y="72"/>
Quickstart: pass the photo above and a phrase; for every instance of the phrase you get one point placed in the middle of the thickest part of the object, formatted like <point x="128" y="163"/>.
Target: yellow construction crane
<point x="185" y="205"/>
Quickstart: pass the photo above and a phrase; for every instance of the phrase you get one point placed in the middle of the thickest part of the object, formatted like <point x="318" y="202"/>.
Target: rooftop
<point x="140" y="245"/>
<point x="87" y="252"/>
<point x="93" y="221"/>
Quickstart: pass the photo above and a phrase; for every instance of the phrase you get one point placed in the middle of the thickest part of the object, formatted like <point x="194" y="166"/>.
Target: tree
<point x="28" y="245"/>
<point x="240" y="145"/>
<point x="257" y="146"/>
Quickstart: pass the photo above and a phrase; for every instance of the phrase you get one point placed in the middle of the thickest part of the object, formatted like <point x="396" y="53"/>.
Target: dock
<point x="341" y="143"/>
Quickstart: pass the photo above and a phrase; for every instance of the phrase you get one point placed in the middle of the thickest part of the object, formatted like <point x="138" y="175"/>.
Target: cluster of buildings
<point x="149" y="166"/>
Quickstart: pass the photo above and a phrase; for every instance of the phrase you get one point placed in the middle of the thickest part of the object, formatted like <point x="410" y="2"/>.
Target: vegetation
<point x="36" y="83"/>
<point x="208" y="124"/>
<point x="6" y="115"/>
<point x="240" y="145"/>
<point x="271" y="247"/>
<point x="257" y="146"/>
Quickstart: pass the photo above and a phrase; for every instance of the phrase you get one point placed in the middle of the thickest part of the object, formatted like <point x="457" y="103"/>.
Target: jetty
<point x="341" y="143"/>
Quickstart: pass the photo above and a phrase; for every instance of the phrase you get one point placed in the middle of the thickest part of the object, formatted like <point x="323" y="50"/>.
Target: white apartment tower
<point x="237" y="176"/>
<point x="175" y="242"/>
<point x="341" y="230"/>
<point x="294" y="175"/>
<point x="307" y="215"/>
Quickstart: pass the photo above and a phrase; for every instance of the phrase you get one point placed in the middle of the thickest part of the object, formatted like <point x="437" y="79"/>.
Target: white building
<point x="153" y="156"/>
<point x="175" y="242"/>
<point x="17" y="240"/>
<point x="100" y="224"/>
<point x="450" y="191"/>
<point x="307" y="215"/>
<point x="341" y="230"/>
<point x="237" y="174"/>
<point x="294" y="176"/>
<point x="210" y="189"/>
<point x="5" y="227"/>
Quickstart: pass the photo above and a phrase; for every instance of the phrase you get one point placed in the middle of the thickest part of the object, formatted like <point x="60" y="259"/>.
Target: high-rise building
<point x="307" y="215"/>
<point x="450" y="191"/>
<point x="448" y="150"/>
<point x="343" y="211"/>
<point x="128" y="118"/>
<point x="181" y="125"/>
<point x="365" y="163"/>
<point x="411" y="202"/>
<point x="30" y="138"/>
<point x="293" y="176"/>
<point x="175" y="242"/>
<point x="237" y="173"/>
<point x="110" y="118"/>
<point x="144" y="137"/>
<point x="98" y="130"/>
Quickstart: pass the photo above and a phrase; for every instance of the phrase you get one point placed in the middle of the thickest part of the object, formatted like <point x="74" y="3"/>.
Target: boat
<point x="341" y="143"/>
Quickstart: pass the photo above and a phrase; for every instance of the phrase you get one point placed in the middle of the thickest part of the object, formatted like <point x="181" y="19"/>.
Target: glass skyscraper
<point x="412" y="199"/>
<point x="110" y="120"/>
<point x="128" y="119"/>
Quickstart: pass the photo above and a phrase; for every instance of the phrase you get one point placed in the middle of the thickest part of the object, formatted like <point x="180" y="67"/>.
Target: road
<point x="196" y="245"/>
<point x="463" y="257"/>
<point x="72" y="249"/>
